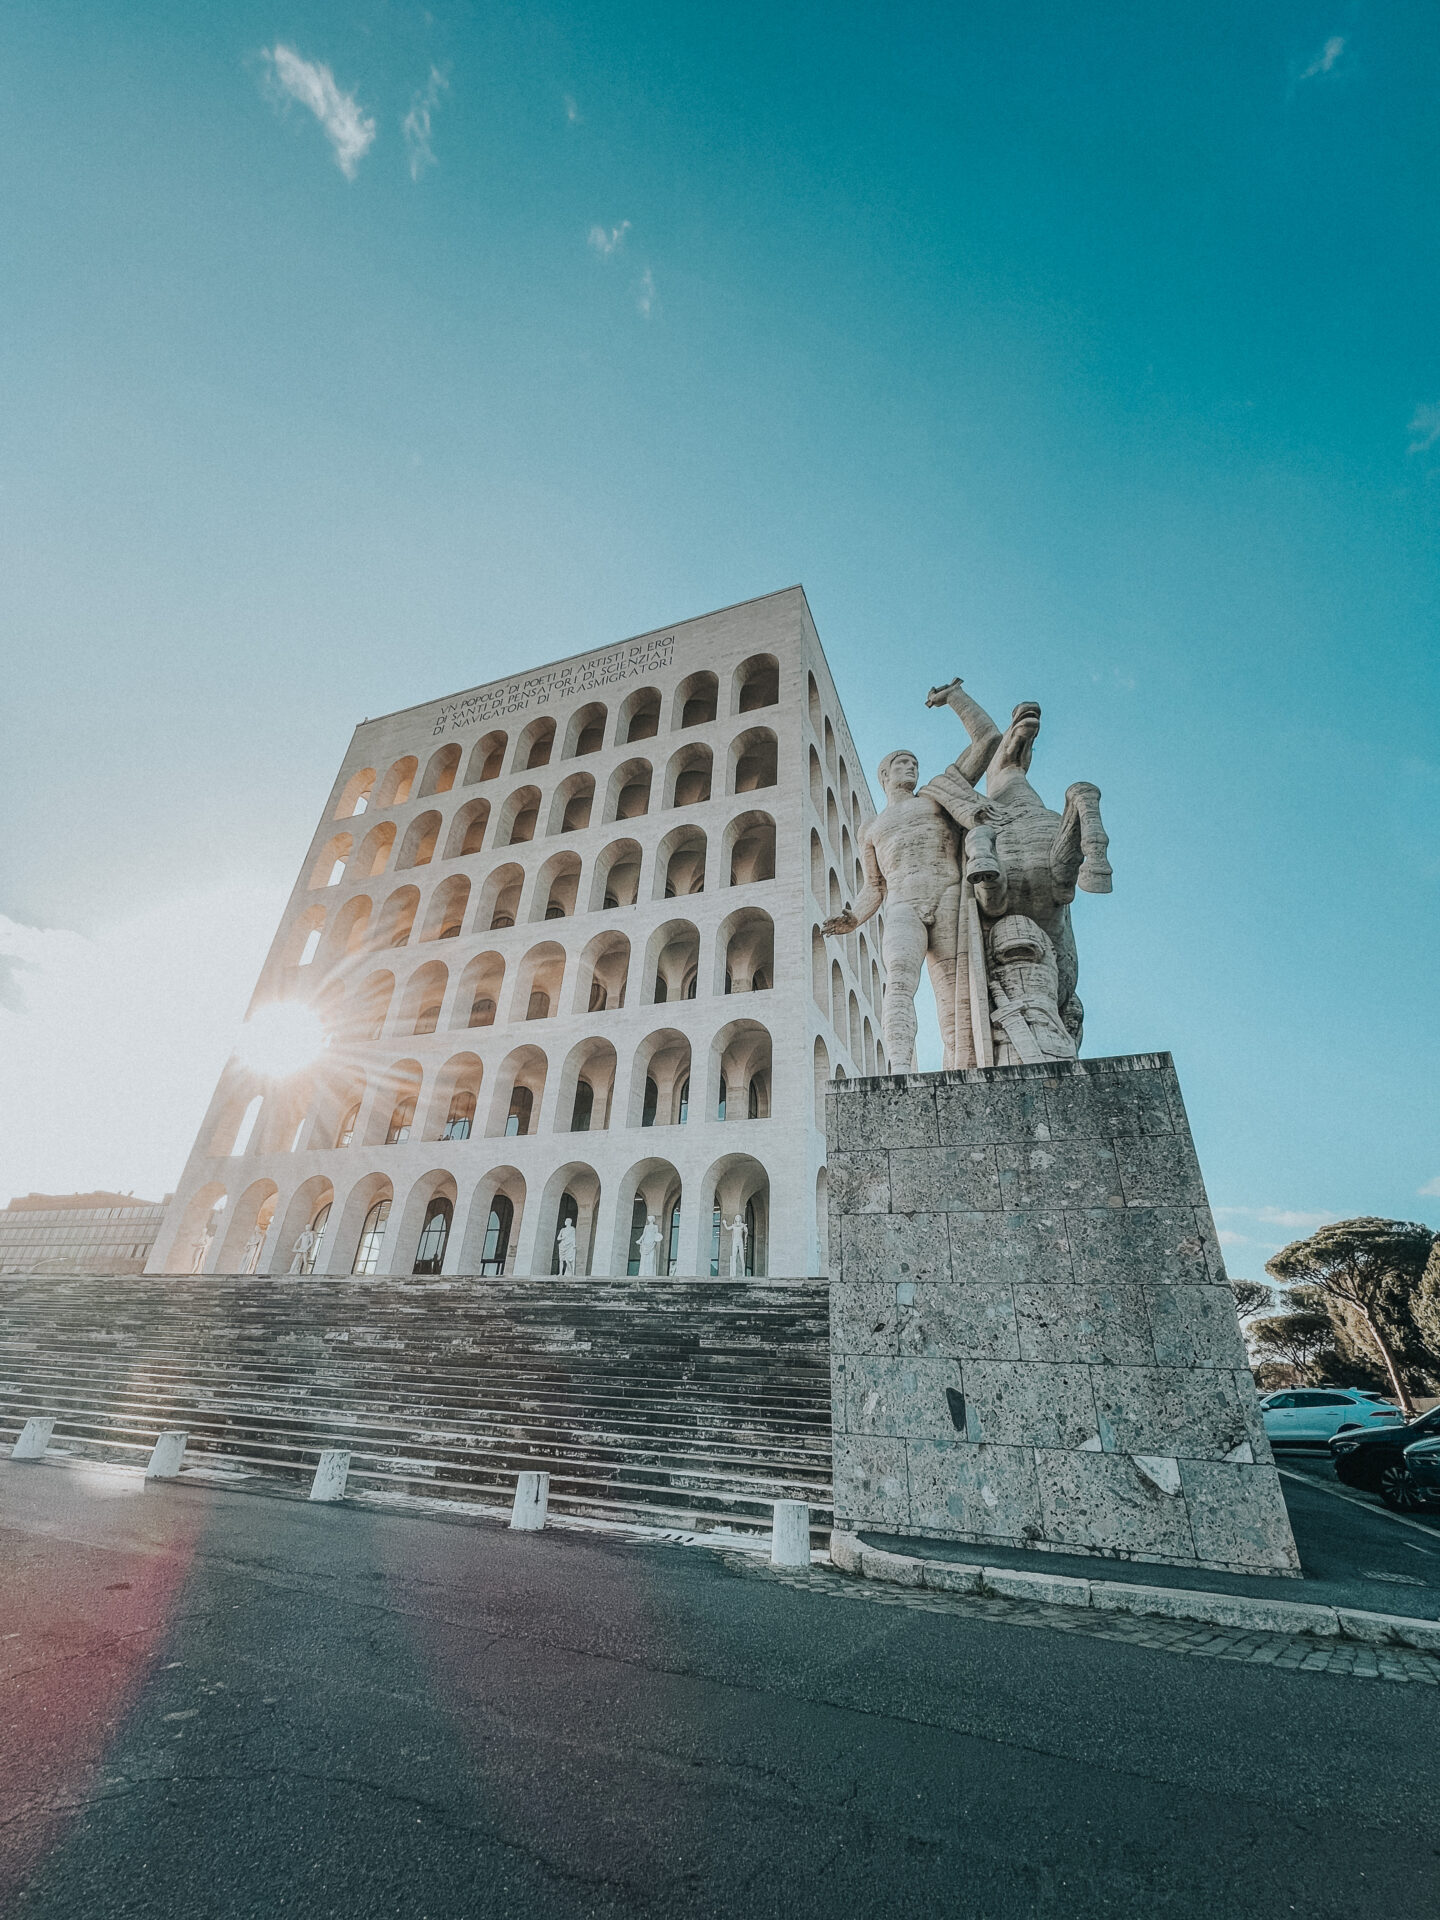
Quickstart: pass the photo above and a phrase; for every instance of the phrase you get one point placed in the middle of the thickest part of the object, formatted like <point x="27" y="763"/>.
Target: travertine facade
<point x="563" y="932"/>
<point x="1033" y="1342"/>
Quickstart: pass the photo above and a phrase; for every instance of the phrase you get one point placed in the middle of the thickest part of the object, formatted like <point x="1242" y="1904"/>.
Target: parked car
<point x="1422" y="1458"/>
<point x="1375" y="1459"/>
<point x="1310" y="1416"/>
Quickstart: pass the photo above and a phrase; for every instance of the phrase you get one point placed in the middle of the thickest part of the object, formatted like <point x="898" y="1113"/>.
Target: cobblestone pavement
<point x="1294" y="1651"/>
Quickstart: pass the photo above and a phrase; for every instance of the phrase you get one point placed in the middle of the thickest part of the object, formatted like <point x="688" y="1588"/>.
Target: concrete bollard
<point x="790" y="1541"/>
<point x="34" y="1439"/>
<point x="331" y="1474"/>
<point x="167" y="1456"/>
<point x="532" y="1502"/>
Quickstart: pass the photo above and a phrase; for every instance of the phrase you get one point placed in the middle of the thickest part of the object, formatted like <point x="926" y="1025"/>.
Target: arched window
<point x="715" y="1241"/>
<point x="651" y="1103"/>
<point x="247" y="1124"/>
<point x="367" y="1254"/>
<point x="347" y="1126"/>
<point x="307" y="952"/>
<point x="749" y="1239"/>
<point x="482" y="1011"/>
<point x="758" y="1104"/>
<point x="433" y="1236"/>
<point x="460" y="1121"/>
<point x="723" y="1100"/>
<point x="672" y="1244"/>
<point x="567" y="1216"/>
<point x="317" y="1227"/>
<point x="402" y="1119"/>
<point x="428" y="1018"/>
<point x="683" y="1113"/>
<point x="538" y="1007"/>
<point x="522" y="1107"/>
<point x="584" y="1107"/>
<point x="497" y="1235"/>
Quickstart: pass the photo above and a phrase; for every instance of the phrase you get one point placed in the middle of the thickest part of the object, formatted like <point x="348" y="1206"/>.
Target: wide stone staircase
<point x="689" y="1405"/>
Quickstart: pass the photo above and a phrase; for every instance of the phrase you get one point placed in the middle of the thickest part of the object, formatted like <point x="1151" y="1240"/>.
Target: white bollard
<point x="790" y="1541"/>
<point x="165" y="1460"/>
<point x="532" y="1501"/>
<point x="34" y="1439"/>
<point x="331" y="1474"/>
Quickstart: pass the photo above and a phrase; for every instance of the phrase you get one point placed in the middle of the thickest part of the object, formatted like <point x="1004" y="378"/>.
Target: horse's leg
<point x="1080" y="847"/>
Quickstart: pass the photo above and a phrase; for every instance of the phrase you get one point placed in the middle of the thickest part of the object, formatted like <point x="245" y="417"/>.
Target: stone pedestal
<point x="1033" y="1343"/>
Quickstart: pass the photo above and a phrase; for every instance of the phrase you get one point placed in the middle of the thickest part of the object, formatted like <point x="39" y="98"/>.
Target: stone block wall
<point x="1032" y="1339"/>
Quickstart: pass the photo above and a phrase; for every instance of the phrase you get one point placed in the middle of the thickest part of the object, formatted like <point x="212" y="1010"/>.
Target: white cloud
<point x="112" y="1044"/>
<point x="1324" y="61"/>
<point x="1227" y="1238"/>
<point x="416" y="124"/>
<point x="1426" y="428"/>
<point x="1430" y="1190"/>
<point x="350" y="131"/>
<point x="572" y="112"/>
<point x="608" y="242"/>
<point x="645" y="296"/>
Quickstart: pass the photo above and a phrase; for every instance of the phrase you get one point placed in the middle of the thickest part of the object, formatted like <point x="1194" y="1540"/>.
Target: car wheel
<point x="1397" y="1487"/>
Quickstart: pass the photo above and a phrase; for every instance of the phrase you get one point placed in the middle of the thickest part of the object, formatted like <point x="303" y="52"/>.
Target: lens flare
<point x="281" y="1039"/>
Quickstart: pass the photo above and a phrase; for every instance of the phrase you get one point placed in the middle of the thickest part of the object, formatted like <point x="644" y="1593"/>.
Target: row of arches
<point x="557" y="890"/>
<point x="747" y="853"/>
<point x="648" y="1225"/>
<point x="458" y="1098"/>
<point x="755" y="684"/>
<point x="835" y="763"/>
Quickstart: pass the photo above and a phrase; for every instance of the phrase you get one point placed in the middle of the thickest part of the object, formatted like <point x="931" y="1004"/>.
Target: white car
<point x="1310" y="1416"/>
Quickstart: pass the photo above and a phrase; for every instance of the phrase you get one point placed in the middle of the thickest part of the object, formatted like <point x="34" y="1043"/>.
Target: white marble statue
<point x="202" y="1250"/>
<point x="304" y="1251"/>
<point x="250" y="1253"/>
<point x="951" y="865"/>
<point x="649" y="1245"/>
<point x="739" y="1233"/>
<point x="565" y="1244"/>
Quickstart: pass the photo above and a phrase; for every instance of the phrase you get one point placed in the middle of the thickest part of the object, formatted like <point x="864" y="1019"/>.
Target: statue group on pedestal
<point x="977" y="887"/>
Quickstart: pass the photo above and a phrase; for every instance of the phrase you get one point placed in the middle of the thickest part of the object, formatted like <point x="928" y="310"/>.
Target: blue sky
<point x="1091" y="353"/>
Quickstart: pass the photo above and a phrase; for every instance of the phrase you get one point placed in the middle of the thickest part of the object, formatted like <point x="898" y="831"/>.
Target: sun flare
<point x="281" y="1039"/>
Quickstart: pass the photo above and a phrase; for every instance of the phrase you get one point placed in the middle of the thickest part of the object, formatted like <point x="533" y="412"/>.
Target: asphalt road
<point x="219" y="1704"/>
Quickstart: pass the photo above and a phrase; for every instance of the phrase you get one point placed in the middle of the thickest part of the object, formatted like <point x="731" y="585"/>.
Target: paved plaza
<point x="222" y="1704"/>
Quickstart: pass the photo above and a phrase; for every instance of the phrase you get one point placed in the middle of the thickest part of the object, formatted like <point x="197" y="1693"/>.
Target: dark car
<point x="1375" y="1460"/>
<point x="1422" y="1457"/>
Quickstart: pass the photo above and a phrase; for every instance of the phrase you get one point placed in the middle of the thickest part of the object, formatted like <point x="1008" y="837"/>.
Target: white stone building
<point x="562" y="932"/>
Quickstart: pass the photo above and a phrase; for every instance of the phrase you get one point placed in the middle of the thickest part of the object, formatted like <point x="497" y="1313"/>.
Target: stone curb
<point x="851" y="1555"/>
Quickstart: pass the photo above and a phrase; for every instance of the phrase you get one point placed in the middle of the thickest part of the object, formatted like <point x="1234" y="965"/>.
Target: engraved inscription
<point x="635" y="662"/>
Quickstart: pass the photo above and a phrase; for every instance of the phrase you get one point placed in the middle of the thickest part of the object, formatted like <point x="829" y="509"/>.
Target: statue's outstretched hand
<point x="937" y="696"/>
<point x="842" y="923"/>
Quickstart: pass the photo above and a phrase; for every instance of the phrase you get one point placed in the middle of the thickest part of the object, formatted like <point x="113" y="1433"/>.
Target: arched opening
<point x="812" y="694"/>
<point x="571" y="805"/>
<point x="571" y="1198"/>
<point x="395" y="1111"/>
<point x="370" y="1006"/>
<point x="374" y="851"/>
<point x="585" y="732"/>
<point x="832" y="822"/>
<point x="434" y="1235"/>
<point x="648" y="1220"/>
<point x="349" y="929"/>
<point x="586" y="1089"/>
<point x="304" y="938"/>
<point x="627" y="797"/>
<point x="446" y="917"/>
<point x="497" y="1209"/>
<point x="830" y="750"/>
<point x="740" y="1070"/>
<point x="695" y="701"/>
<point x="246" y="1225"/>
<point x="423" y="1231"/>
<point x="756" y="683"/>
<point x="822" y="1079"/>
<point x="535" y="745"/>
<point x="817" y="868"/>
<point x="478" y="999"/>
<point x="745" y="952"/>
<point x="538" y="982"/>
<point x="371" y="1244"/>
<point x="355" y="795"/>
<point x="440" y="770"/>
<point x="467" y="829"/>
<point x="680" y="863"/>
<point x="329" y="867"/>
<point x="672" y="962"/>
<point x="660" y="1080"/>
<point x="602" y="974"/>
<point x="750" y="840"/>
<point x="300" y="1243"/>
<point x="639" y="716"/>
<point x="519" y="1090"/>
<point x="615" y="881"/>
<point x="822" y="1220"/>
<point x="817" y="784"/>
<point x="519" y="813"/>
<point x="687" y="777"/>
<point x="737" y="1189"/>
<point x="556" y="887"/>
<point x="423" y="998"/>
<point x="819" y="978"/>
<point x="394" y="789"/>
<point x="754" y="758"/>
<point x="487" y="758"/>
<point x="397" y="917"/>
<point x="857" y="1043"/>
<point x="500" y="899"/>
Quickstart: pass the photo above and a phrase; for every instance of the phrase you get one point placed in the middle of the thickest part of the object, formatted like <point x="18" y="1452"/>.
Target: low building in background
<point x="78" y="1233"/>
